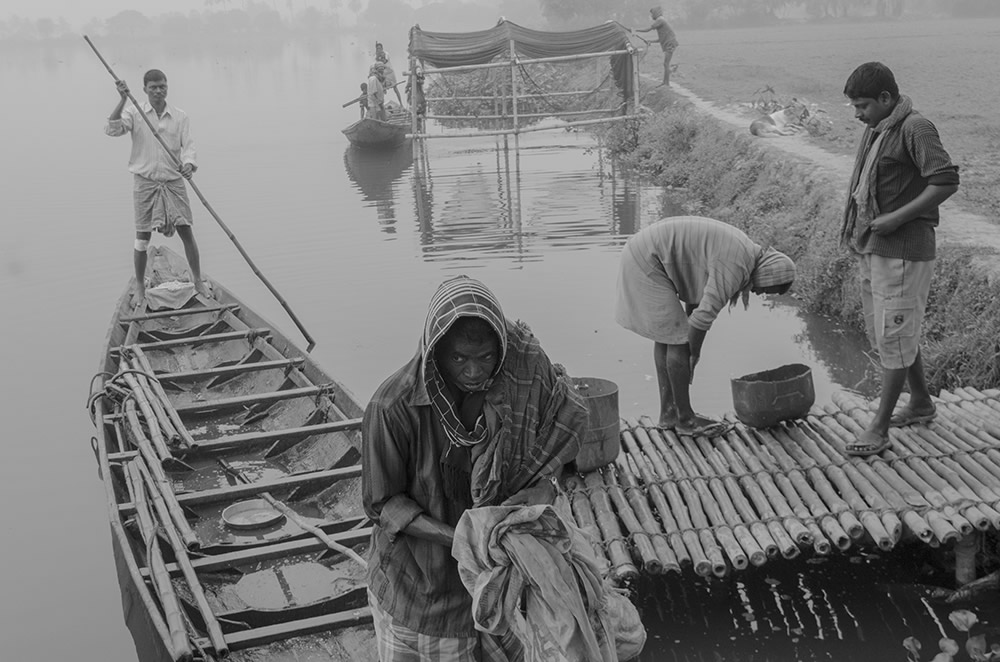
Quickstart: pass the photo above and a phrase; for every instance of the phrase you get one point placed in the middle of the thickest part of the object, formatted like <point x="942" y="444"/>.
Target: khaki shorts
<point x="894" y="298"/>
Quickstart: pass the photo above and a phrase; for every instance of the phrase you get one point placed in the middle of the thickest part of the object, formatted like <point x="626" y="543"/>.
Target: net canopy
<point x="455" y="49"/>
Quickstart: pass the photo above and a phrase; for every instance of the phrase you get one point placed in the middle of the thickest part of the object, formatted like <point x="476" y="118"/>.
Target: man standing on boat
<point x="478" y="417"/>
<point x="159" y="195"/>
<point x="376" y="92"/>
<point x="676" y="276"/>
<point x="666" y="37"/>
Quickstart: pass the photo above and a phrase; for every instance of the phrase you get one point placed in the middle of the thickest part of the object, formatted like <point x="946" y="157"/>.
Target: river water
<point x="356" y="245"/>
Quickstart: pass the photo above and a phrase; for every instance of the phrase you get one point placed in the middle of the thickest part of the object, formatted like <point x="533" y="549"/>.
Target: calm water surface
<point x="355" y="244"/>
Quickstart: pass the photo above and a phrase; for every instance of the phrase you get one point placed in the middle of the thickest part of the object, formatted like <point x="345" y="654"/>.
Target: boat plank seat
<point x="309" y="544"/>
<point x="256" y="398"/>
<point x="196" y="340"/>
<point x="229" y="370"/>
<point x="272" y="633"/>
<point x="244" y="490"/>
<point x="178" y="312"/>
<point x="253" y="438"/>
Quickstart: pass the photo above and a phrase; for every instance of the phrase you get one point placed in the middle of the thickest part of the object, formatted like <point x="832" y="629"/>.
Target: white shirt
<point x="148" y="158"/>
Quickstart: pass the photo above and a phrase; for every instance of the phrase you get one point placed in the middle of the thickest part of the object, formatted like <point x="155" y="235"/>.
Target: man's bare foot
<point x="700" y="425"/>
<point x="668" y="421"/>
<point x="138" y="298"/>
<point x="203" y="288"/>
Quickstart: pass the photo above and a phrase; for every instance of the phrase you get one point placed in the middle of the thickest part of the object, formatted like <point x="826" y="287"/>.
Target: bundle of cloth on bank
<point x="533" y="573"/>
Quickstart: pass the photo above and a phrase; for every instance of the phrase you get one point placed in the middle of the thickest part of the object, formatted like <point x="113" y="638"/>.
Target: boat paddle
<point x="363" y="96"/>
<point x="194" y="187"/>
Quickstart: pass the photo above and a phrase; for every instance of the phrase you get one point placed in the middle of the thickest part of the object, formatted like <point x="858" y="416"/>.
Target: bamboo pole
<point x="943" y="480"/>
<point x="621" y="560"/>
<point x="833" y="481"/>
<point x="640" y="506"/>
<point x="168" y="406"/>
<point x="716" y="500"/>
<point x="687" y="509"/>
<point x="761" y="488"/>
<point x="194" y="187"/>
<point x="859" y="494"/>
<point x="212" y="627"/>
<point x="788" y="532"/>
<point x="295" y="517"/>
<point x="180" y="643"/>
<point x="641" y="540"/>
<point x="528" y="129"/>
<point x="879" y="492"/>
<point x="513" y="86"/>
<point x="584" y="516"/>
<point x="683" y="541"/>
<point x="170" y="433"/>
<point x="554" y="113"/>
<point x="537" y="60"/>
<point x="792" y="481"/>
<point x="162" y="482"/>
<point x="946" y="528"/>
<point x="155" y="434"/>
<point x="764" y="517"/>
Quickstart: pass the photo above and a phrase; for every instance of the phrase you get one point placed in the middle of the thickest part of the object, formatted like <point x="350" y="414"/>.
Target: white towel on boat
<point x="169" y="295"/>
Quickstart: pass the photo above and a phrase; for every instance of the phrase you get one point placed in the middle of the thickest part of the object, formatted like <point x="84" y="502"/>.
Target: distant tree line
<point x="708" y="13"/>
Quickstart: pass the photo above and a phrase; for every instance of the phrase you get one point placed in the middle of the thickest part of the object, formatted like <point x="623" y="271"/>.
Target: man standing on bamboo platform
<point x="666" y="37"/>
<point x="478" y="417"/>
<point x="902" y="174"/>
<point x="159" y="194"/>
<point x="676" y="275"/>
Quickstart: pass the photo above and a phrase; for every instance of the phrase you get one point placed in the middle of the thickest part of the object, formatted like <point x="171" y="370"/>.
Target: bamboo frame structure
<point x="715" y="505"/>
<point x="500" y="110"/>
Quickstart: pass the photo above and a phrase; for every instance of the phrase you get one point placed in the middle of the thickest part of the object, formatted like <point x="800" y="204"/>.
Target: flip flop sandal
<point x="868" y="444"/>
<point x="907" y="416"/>
<point x="707" y="430"/>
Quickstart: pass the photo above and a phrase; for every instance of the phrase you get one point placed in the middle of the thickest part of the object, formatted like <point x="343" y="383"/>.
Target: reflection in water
<point x="478" y="200"/>
<point x="373" y="172"/>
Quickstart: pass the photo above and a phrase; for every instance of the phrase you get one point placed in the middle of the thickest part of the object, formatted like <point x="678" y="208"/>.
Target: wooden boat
<point x="370" y="132"/>
<point x="231" y="466"/>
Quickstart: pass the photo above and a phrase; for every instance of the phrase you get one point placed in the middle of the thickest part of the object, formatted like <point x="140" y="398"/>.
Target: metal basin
<point x="764" y="399"/>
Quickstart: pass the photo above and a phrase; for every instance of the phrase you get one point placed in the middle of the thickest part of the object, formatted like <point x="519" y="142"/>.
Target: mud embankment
<point x="789" y="193"/>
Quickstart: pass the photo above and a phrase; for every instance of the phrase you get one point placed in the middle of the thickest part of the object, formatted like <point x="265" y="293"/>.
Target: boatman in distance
<point x="159" y="195"/>
<point x="675" y="276"/>
<point x="478" y="417"/>
<point x="666" y="37"/>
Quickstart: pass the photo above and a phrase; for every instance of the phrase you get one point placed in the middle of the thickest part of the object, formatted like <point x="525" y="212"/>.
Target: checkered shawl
<point x="459" y="297"/>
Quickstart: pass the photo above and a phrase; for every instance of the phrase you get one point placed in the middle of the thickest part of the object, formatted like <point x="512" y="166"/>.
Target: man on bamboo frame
<point x="478" y="417"/>
<point x="159" y="195"/>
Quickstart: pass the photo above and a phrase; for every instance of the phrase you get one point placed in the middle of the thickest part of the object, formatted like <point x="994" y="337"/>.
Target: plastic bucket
<point x="602" y="441"/>
<point x="764" y="399"/>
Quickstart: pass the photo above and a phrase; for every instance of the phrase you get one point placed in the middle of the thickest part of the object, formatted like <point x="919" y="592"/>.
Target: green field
<point x="948" y="67"/>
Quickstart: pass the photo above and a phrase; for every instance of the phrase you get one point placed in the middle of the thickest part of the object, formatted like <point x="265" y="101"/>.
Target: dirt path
<point x="958" y="226"/>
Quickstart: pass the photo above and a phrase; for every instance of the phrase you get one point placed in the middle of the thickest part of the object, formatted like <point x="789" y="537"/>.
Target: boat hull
<point x="370" y="132"/>
<point x="260" y="419"/>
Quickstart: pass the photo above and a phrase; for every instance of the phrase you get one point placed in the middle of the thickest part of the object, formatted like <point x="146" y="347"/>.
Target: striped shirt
<point x="912" y="158"/>
<point x="148" y="158"/>
<point x="707" y="261"/>
<point x="536" y="421"/>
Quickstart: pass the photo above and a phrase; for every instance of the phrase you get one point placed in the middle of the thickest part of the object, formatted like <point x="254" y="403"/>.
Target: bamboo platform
<point x="714" y="505"/>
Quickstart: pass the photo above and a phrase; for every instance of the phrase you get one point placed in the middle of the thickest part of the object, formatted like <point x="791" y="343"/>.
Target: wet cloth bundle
<point x="532" y="573"/>
<point x="164" y="204"/>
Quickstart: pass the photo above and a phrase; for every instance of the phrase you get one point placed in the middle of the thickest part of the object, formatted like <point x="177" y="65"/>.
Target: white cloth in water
<point x="171" y="294"/>
<point x="528" y="557"/>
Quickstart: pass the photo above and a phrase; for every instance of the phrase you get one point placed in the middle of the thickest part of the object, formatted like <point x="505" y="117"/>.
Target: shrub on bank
<point x="791" y="205"/>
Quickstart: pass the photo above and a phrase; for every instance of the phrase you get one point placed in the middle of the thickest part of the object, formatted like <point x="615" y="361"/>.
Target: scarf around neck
<point x="862" y="204"/>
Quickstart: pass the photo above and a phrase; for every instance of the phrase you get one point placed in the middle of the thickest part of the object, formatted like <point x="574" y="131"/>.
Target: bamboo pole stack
<point x="729" y="502"/>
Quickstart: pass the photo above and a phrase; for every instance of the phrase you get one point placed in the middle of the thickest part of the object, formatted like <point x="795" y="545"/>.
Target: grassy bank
<point x="783" y="202"/>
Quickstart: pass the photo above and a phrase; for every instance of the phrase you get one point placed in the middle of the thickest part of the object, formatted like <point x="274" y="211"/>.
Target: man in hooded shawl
<point x="478" y="417"/>
<point x="901" y="175"/>
<point x="703" y="264"/>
